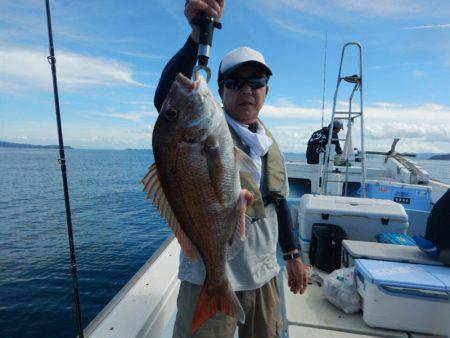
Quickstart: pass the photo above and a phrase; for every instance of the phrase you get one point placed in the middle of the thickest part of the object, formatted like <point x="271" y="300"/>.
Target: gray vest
<point x="273" y="178"/>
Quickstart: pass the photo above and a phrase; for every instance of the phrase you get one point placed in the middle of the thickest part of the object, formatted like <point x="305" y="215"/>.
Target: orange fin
<point x="213" y="299"/>
<point x="240" y="219"/>
<point x="154" y="190"/>
<point x="241" y="207"/>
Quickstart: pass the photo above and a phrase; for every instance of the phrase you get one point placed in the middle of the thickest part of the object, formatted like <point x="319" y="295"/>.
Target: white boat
<point x="146" y="306"/>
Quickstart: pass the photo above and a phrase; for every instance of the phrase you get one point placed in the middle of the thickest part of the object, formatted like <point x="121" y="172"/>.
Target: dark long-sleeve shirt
<point x="438" y="229"/>
<point x="317" y="144"/>
<point x="184" y="62"/>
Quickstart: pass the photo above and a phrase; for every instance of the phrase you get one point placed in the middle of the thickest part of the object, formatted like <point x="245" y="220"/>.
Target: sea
<point x="115" y="232"/>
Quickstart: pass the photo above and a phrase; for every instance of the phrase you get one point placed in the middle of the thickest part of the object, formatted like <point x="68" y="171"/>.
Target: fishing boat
<point x="146" y="305"/>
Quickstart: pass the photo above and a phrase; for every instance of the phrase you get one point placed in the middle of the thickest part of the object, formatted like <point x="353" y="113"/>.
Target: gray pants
<point x="261" y="307"/>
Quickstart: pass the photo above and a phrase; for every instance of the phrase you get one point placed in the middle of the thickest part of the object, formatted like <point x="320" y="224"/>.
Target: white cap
<point x="240" y="56"/>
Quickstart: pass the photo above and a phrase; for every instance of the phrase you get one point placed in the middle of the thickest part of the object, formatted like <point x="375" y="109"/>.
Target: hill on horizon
<point x="4" y="144"/>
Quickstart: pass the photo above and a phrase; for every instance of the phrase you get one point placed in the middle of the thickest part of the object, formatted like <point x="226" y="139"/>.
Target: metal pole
<point x="62" y="161"/>
<point x="324" y="76"/>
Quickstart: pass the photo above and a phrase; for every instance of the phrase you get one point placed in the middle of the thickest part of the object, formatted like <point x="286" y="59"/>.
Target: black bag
<point x="325" y="248"/>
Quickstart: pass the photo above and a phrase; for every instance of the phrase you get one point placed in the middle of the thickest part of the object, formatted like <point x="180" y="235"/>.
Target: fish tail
<point x="216" y="298"/>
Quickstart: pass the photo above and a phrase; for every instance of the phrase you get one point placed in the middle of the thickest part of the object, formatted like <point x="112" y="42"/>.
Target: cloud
<point x="386" y="104"/>
<point x="447" y="25"/>
<point x="382" y="8"/>
<point x="134" y="117"/>
<point x="143" y="55"/>
<point x="289" y="112"/>
<point x="421" y="127"/>
<point x="337" y="10"/>
<point x="82" y="135"/>
<point x="297" y="29"/>
<point x="419" y="73"/>
<point x="30" y="67"/>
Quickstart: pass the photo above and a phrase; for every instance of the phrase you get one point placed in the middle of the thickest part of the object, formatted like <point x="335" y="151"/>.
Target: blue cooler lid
<point x="407" y="275"/>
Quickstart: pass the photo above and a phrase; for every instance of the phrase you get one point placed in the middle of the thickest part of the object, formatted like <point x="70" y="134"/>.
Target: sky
<point x="110" y="55"/>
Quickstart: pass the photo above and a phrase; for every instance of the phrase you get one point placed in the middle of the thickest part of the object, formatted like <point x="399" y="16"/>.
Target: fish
<point x="195" y="185"/>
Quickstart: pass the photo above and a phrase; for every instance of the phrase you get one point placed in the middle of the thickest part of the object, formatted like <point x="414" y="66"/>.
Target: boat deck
<point x="312" y="315"/>
<point x="146" y="307"/>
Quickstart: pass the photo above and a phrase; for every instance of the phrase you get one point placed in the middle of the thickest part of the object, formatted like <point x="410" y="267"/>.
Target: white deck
<point x="311" y="315"/>
<point x="313" y="310"/>
<point x="146" y="308"/>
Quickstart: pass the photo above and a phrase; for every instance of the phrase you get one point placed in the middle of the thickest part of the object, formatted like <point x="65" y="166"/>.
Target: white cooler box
<point x="361" y="218"/>
<point x="403" y="296"/>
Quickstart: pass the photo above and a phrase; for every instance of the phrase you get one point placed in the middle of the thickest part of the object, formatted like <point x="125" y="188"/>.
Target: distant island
<point x="444" y="157"/>
<point x="4" y="144"/>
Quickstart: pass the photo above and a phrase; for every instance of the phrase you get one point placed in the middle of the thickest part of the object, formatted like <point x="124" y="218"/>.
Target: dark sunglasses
<point x="254" y="82"/>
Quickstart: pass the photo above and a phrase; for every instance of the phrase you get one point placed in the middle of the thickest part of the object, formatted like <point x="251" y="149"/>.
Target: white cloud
<point x="338" y="9"/>
<point x="134" y="117"/>
<point x="82" y="135"/>
<point x="143" y="55"/>
<point x="383" y="8"/>
<point x="30" y="67"/>
<point x="289" y="112"/>
<point x="386" y="104"/>
<point x="419" y="73"/>
<point x="422" y="128"/>
<point x="297" y="29"/>
<point x="447" y="25"/>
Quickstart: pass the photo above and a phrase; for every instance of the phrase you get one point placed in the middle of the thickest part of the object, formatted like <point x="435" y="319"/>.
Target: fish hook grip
<point x="206" y="27"/>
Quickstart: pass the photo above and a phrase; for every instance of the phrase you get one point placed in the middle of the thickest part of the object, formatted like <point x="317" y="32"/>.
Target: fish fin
<point x="240" y="234"/>
<point x="241" y="206"/>
<point x="215" y="167"/>
<point x="154" y="190"/>
<point x="244" y="162"/>
<point x="216" y="298"/>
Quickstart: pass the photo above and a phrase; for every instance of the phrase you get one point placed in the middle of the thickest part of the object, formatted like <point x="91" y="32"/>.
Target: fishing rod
<point x="206" y="27"/>
<point x="62" y="161"/>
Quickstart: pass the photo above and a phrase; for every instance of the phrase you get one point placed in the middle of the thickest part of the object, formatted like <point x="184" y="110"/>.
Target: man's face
<point x="244" y="104"/>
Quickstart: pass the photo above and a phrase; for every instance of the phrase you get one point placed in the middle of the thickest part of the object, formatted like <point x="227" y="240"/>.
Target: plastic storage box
<point x="411" y="196"/>
<point x="402" y="296"/>
<point x="352" y="250"/>
<point x="361" y="218"/>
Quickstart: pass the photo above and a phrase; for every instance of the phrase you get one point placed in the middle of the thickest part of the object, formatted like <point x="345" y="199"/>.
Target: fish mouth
<point x="186" y="82"/>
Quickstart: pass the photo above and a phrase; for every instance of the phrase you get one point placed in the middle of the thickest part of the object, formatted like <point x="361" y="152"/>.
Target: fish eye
<point x="171" y="115"/>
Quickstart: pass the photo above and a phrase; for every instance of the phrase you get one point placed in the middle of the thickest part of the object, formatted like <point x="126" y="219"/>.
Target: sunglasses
<point x="254" y="82"/>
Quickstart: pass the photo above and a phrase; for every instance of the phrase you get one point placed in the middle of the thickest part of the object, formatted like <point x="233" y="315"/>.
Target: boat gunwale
<point x="100" y="317"/>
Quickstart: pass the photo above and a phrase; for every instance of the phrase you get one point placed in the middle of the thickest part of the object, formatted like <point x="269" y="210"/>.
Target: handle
<point x="401" y="290"/>
<point x="206" y="27"/>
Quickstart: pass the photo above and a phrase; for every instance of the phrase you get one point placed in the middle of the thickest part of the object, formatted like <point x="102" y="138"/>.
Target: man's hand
<point x="297" y="279"/>
<point x="194" y="9"/>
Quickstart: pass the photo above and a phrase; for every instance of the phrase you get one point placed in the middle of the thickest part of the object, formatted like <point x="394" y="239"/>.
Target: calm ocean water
<point x="115" y="232"/>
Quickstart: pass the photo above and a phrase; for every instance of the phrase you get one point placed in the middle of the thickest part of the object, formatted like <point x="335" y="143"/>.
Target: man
<point x="317" y="143"/>
<point x="437" y="236"/>
<point x="252" y="270"/>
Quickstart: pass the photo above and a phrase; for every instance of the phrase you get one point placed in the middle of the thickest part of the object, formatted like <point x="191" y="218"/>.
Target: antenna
<point x="324" y="76"/>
